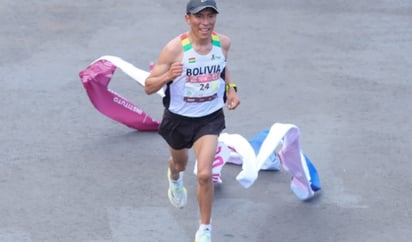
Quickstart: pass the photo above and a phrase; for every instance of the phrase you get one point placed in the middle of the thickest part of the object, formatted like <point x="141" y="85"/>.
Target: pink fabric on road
<point x="96" y="79"/>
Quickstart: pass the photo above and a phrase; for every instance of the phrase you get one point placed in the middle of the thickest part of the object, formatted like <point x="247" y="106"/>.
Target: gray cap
<point x="195" y="6"/>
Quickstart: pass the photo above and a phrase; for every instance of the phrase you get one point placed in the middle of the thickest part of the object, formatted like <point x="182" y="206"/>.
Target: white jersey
<point x="199" y="90"/>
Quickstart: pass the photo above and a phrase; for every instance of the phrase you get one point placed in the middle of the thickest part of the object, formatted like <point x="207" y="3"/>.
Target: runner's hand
<point x="232" y="99"/>
<point x="175" y="70"/>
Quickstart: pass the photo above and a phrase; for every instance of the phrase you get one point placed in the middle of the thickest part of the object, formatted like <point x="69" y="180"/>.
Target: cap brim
<point x="198" y="9"/>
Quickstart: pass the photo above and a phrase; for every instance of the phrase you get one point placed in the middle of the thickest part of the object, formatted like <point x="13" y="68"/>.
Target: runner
<point x="192" y="70"/>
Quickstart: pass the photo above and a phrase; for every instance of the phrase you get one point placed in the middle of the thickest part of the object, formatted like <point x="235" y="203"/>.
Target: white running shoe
<point x="203" y="235"/>
<point x="177" y="192"/>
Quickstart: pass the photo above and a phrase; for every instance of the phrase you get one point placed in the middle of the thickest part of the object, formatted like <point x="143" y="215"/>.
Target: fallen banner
<point x="96" y="78"/>
<point x="276" y="147"/>
<point x="272" y="149"/>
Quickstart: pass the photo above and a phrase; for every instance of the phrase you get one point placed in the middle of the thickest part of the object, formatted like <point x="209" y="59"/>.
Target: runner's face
<point x="203" y="22"/>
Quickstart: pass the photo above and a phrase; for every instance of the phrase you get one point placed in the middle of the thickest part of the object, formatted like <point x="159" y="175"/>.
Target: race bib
<point x="202" y="88"/>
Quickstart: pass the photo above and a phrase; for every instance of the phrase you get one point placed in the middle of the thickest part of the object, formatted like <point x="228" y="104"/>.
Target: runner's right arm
<point x="167" y="68"/>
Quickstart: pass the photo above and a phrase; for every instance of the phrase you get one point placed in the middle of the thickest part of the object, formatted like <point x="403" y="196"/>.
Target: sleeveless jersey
<point x="199" y="90"/>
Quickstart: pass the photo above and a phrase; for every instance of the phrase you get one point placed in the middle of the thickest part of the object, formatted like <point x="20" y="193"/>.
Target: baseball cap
<point x="195" y="6"/>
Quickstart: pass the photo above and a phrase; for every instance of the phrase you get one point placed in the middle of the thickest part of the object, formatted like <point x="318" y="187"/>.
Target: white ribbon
<point x="285" y="136"/>
<point x="137" y="74"/>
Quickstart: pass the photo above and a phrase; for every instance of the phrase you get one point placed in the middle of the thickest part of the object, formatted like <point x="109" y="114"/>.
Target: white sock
<point x="205" y="227"/>
<point x="176" y="181"/>
<point x="179" y="180"/>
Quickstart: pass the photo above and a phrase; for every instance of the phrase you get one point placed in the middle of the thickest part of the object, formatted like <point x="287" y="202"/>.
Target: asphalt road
<point x="339" y="70"/>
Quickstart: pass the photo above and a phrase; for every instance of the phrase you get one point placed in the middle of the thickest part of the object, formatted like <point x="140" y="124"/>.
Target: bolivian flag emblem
<point x="192" y="59"/>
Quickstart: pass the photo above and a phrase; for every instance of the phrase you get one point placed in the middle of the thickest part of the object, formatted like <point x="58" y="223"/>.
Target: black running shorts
<point x="181" y="132"/>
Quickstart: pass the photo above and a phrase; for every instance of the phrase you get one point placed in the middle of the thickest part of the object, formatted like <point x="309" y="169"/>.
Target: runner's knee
<point x="204" y="177"/>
